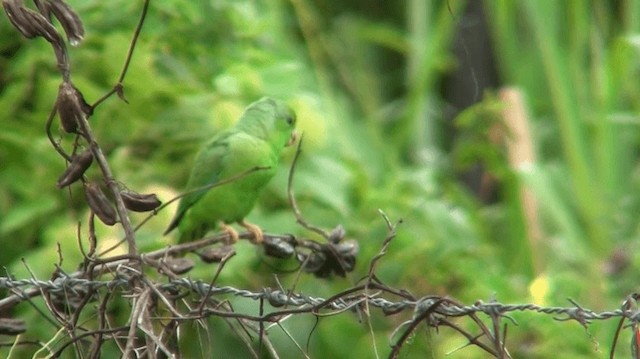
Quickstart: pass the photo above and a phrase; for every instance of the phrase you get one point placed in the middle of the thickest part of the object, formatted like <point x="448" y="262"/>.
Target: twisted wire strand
<point x="278" y="298"/>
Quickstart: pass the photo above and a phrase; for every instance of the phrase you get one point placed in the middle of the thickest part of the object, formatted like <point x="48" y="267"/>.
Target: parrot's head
<point x="271" y="120"/>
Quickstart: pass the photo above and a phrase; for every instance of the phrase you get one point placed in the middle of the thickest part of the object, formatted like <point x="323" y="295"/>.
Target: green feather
<point x="256" y="141"/>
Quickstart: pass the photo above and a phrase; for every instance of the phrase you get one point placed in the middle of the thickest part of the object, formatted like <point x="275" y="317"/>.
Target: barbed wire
<point x="281" y="298"/>
<point x="433" y="310"/>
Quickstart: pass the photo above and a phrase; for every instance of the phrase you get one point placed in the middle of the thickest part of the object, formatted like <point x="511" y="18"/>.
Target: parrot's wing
<point x="209" y="162"/>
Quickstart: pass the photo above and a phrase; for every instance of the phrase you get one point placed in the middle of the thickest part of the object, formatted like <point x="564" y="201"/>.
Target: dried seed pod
<point x="44" y="7"/>
<point x="216" y="255"/>
<point x="79" y="164"/>
<point x="68" y="107"/>
<point x="44" y="27"/>
<point x="30" y="23"/>
<point x="67" y="17"/>
<point x="277" y="247"/>
<point x="71" y="106"/>
<point x="337" y="234"/>
<point x="100" y="204"/>
<point x="179" y="265"/>
<point x="311" y="262"/>
<point x="140" y="202"/>
<point x="348" y="251"/>
<point x="19" y="19"/>
<point x="329" y="259"/>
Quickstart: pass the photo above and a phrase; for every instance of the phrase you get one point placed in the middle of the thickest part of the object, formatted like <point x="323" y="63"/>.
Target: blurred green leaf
<point x="24" y="215"/>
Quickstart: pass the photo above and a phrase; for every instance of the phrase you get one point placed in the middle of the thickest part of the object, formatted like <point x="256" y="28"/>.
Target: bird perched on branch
<point x="231" y="170"/>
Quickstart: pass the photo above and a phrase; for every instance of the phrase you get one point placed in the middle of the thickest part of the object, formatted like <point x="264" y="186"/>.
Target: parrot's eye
<point x="289" y="120"/>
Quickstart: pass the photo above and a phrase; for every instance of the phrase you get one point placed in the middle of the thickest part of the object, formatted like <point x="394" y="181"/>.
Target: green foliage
<point x="364" y="80"/>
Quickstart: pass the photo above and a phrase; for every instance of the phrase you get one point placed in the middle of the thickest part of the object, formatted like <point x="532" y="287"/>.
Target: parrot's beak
<point x="292" y="140"/>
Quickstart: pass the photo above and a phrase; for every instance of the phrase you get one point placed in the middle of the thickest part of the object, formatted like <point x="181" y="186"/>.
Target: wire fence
<point x="66" y="296"/>
<point x="350" y="299"/>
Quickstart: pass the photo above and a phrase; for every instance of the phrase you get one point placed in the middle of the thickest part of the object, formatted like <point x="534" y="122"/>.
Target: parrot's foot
<point x="233" y="234"/>
<point x="258" y="237"/>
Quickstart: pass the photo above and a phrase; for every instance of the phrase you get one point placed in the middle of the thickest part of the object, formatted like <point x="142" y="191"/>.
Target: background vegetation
<point x="399" y="103"/>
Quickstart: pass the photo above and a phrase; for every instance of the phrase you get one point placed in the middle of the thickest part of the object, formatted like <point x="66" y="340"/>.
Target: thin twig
<point x="138" y="307"/>
<point x="292" y="199"/>
<point x="395" y="349"/>
<point x="391" y="234"/>
<point x="118" y="88"/>
<point x="54" y="143"/>
<point x="221" y="265"/>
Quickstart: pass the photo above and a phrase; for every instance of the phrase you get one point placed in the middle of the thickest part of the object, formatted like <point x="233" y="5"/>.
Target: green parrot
<point x="265" y="128"/>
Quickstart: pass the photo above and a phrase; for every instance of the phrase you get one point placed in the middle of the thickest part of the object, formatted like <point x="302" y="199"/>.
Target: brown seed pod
<point x="180" y="265"/>
<point x="100" y="204"/>
<point x="277" y="247"/>
<point x="68" y="107"/>
<point x="29" y="22"/>
<point x="17" y="15"/>
<point x="44" y="27"/>
<point x="79" y="164"/>
<point x="67" y="17"/>
<point x="337" y="234"/>
<point x="216" y="255"/>
<point x="71" y="106"/>
<point x="140" y="202"/>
